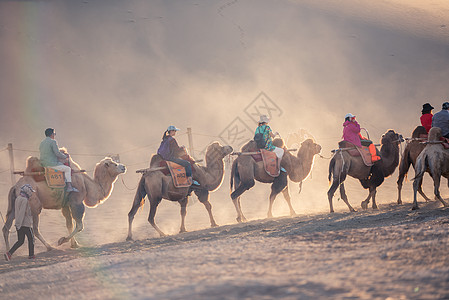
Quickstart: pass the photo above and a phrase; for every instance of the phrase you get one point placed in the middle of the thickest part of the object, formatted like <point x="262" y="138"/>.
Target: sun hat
<point x="427" y="107"/>
<point x="264" y="119"/>
<point x="349" y="115"/>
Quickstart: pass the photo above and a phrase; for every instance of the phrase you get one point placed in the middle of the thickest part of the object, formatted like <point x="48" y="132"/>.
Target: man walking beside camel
<point x="50" y="155"/>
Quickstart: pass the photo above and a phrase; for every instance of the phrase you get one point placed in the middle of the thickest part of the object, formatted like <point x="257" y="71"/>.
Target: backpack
<point x="164" y="149"/>
<point x="259" y="139"/>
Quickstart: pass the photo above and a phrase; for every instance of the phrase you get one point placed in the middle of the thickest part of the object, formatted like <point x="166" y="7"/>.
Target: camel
<point x="411" y="152"/>
<point x="343" y="164"/>
<point x="92" y="192"/>
<point x="245" y="170"/>
<point x="434" y="159"/>
<point x="159" y="186"/>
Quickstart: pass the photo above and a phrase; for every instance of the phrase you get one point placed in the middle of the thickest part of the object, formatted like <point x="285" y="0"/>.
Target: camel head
<point x="434" y="134"/>
<point x="311" y="146"/>
<point x="391" y="137"/>
<point x="215" y="151"/>
<point x="108" y="167"/>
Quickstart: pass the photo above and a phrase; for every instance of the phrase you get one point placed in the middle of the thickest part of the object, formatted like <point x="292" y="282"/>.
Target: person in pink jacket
<point x="351" y="134"/>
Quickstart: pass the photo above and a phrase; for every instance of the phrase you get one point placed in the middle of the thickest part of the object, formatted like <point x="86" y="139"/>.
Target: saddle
<point x="357" y="151"/>
<point x="270" y="162"/>
<point x="177" y="172"/>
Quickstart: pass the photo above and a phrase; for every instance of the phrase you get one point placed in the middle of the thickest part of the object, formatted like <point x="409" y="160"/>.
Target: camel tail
<point x="331" y="168"/>
<point x="421" y="166"/>
<point x="11" y="202"/>
<point x="405" y="163"/>
<point x="233" y="171"/>
<point x="141" y="192"/>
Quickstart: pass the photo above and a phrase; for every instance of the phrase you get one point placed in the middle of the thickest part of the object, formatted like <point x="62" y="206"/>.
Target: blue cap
<point x="171" y="127"/>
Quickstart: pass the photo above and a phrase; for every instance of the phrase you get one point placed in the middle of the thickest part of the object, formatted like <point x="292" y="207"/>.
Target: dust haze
<point x="110" y="76"/>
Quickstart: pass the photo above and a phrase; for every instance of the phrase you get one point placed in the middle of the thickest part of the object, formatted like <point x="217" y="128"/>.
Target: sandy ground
<point x="391" y="253"/>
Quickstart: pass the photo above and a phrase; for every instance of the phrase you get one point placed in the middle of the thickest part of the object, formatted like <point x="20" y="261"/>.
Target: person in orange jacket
<point x="351" y="133"/>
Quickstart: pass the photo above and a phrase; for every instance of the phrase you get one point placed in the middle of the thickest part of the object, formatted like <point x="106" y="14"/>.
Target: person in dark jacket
<point x="171" y="151"/>
<point x="441" y="120"/>
<point x="426" y="117"/>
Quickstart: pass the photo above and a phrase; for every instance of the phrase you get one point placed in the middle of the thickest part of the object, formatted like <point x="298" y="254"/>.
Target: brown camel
<point x="434" y="159"/>
<point x="91" y="193"/>
<point x="411" y="152"/>
<point x="343" y="164"/>
<point x="159" y="186"/>
<point x="245" y="170"/>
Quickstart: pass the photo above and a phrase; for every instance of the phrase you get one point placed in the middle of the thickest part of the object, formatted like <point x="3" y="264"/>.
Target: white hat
<point x="349" y="115"/>
<point x="171" y="127"/>
<point x="264" y="119"/>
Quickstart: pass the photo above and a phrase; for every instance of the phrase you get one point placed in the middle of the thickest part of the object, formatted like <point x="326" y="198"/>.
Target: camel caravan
<point x="55" y="181"/>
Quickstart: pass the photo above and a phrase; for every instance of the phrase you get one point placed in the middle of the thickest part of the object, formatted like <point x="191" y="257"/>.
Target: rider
<point x="268" y="136"/>
<point x="351" y="133"/>
<point x="169" y="150"/>
<point x="50" y="155"/>
<point x="426" y="118"/>
<point x="441" y="120"/>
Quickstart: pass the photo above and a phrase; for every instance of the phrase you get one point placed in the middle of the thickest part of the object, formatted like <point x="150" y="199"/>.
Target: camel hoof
<point x="214" y="225"/>
<point x="75" y="246"/>
<point x="162" y="234"/>
<point x="50" y="248"/>
<point x="415" y="207"/>
<point x="399" y="202"/>
<point x="375" y="207"/>
<point x="62" y="241"/>
<point x="129" y="238"/>
<point x="364" y="205"/>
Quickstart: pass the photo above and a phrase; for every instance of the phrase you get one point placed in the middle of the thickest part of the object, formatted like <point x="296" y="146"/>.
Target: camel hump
<point x="419" y="131"/>
<point x="434" y="134"/>
<point x="33" y="164"/>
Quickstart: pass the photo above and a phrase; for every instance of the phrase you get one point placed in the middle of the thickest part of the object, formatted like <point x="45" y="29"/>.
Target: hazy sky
<point x="110" y="76"/>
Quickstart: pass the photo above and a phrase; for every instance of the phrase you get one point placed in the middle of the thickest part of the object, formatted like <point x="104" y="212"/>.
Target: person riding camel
<point x="441" y="120"/>
<point x="171" y="151"/>
<point x="50" y="156"/>
<point x="351" y="134"/>
<point x="264" y="137"/>
<point x="426" y="117"/>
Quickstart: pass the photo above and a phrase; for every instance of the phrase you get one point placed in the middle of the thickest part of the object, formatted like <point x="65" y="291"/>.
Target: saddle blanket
<point x="54" y="178"/>
<point x="357" y="151"/>
<point x="178" y="174"/>
<point x="270" y="163"/>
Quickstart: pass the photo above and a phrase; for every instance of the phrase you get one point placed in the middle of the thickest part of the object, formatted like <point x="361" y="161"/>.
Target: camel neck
<point x="301" y="165"/>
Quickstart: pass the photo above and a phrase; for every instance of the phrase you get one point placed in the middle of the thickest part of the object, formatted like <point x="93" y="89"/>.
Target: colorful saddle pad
<point x="270" y="163"/>
<point x="55" y="178"/>
<point x="178" y="173"/>
<point x="357" y="151"/>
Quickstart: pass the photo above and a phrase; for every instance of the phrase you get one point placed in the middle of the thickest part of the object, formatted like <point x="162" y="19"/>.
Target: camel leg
<point x="77" y="210"/>
<point x="365" y="202"/>
<point x="183" y="204"/>
<point x="240" y="217"/>
<point x="436" y="185"/>
<point x="69" y="224"/>
<point x="153" y="207"/>
<point x="278" y="185"/>
<point x="331" y="192"/>
<point x="6" y="228"/>
<point x="345" y="198"/>
<point x="203" y="196"/>
<point x="373" y="196"/>
<point x="416" y="184"/>
<point x="137" y="203"/>
<point x="399" y="183"/>
<point x="38" y="234"/>
<point x="421" y="192"/>
<point x="286" y="195"/>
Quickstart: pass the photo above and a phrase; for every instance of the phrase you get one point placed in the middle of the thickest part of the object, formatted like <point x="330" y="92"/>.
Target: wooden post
<point x="191" y="150"/>
<point x="11" y="163"/>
